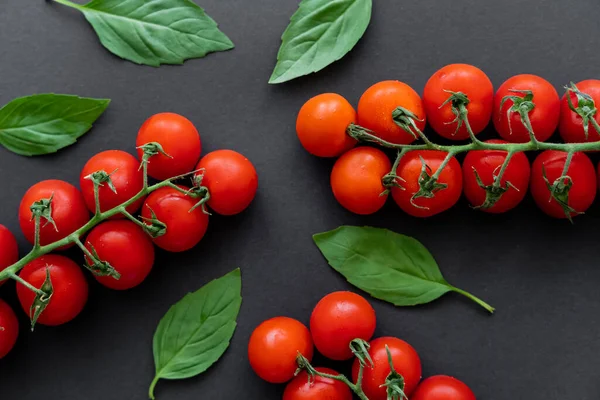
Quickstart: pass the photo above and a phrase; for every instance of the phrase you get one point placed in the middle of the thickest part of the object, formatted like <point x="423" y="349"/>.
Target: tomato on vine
<point x="526" y="100"/>
<point x="416" y="172"/>
<point x="9" y="329"/>
<point x="581" y="125"/>
<point x="9" y="250"/>
<point x="322" y="123"/>
<point x="443" y="387"/>
<point x="274" y="346"/>
<point x="319" y="388"/>
<point x="356" y="179"/>
<point x="481" y="169"/>
<point x="457" y="92"/>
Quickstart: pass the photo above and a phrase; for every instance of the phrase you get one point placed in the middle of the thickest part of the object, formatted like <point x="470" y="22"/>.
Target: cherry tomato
<point x="9" y="250"/>
<point x="410" y="169"/>
<point x="68" y="211"/>
<point x="127" y="248"/>
<point x="582" y="174"/>
<point x="322" y="123"/>
<point x="318" y="389"/>
<point x="339" y="318"/>
<point x="488" y="163"/>
<point x="543" y="117"/>
<point x="274" y="346"/>
<point x="377" y="104"/>
<point x="125" y="174"/>
<point x="178" y="137"/>
<point x="69" y="285"/>
<point x="356" y="179"/>
<point x="9" y="329"/>
<point x="442" y="387"/>
<point x="465" y="79"/>
<point x="571" y="125"/>
<point x="406" y="362"/>
<point x="185" y="228"/>
<point x="231" y="181"/>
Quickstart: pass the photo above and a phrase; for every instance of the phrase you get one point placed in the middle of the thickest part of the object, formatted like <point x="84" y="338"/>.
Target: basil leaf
<point x="387" y="265"/>
<point x="153" y="32"/>
<point x="319" y="33"/>
<point x="45" y="123"/>
<point x="196" y="331"/>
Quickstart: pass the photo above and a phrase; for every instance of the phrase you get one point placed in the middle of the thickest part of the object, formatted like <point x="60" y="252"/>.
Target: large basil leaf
<point x="387" y="265"/>
<point x="196" y="331"/>
<point x="319" y="33"/>
<point x="154" y="32"/>
<point x="45" y="123"/>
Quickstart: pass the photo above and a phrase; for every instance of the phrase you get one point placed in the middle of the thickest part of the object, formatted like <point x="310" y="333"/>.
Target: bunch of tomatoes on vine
<point x="458" y="103"/>
<point x="118" y="247"/>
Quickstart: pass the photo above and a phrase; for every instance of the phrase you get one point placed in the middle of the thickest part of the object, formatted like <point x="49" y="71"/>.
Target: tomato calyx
<point x="152" y="149"/>
<point x="586" y="108"/>
<point x="153" y="226"/>
<point x="458" y="102"/>
<point x="394" y="383"/>
<point x="360" y="349"/>
<point x="559" y="191"/>
<point x="200" y="192"/>
<point x="97" y="266"/>
<point x="428" y="184"/>
<point x="405" y="119"/>
<point x="523" y="105"/>
<point x="42" y="299"/>
<point x="102" y="177"/>
<point x="43" y="209"/>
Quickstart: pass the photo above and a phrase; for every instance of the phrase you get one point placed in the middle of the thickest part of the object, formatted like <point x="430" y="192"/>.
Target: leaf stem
<point x="477" y="300"/>
<point x="70" y="4"/>
<point x="152" y="386"/>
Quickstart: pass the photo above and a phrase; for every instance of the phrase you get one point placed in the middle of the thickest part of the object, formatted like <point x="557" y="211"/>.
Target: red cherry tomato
<point x="127" y="248"/>
<point x="9" y="329"/>
<point x="409" y="170"/>
<point x="543" y="117"/>
<point x="582" y="174"/>
<point x="317" y="389"/>
<point x="185" y="228"/>
<point x="442" y="387"/>
<point x="69" y="285"/>
<point x="406" y="362"/>
<point x="9" y="250"/>
<point x="322" y="123"/>
<point x="488" y="163"/>
<point x="178" y="137"/>
<point x="68" y="211"/>
<point x="356" y="179"/>
<point x="465" y="79"/>
<point x="274" y="346"/>
<point x="339" y="318"/>
<point x="231" y="181"/>
<point x="571" y="124"/>
<point x="377" y="104"/>
<point x="126" y="176"/>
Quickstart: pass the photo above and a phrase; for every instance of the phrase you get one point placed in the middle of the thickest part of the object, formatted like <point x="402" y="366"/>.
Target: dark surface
<point x="541" y="274"/>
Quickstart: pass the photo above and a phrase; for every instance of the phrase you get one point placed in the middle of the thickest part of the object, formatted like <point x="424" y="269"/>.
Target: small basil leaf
<point x="196" y="331"/>
<point x="319" y="33"/>
<point x="45" y="123"/>
<point x="153" y="32"/>
<point x="387" y="265"/>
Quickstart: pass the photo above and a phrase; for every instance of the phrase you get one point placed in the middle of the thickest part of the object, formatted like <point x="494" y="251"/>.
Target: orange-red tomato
<point x="10" y="329"/>
<point x="9" y="250"/>
<point x="318" y="388"/>
<point x="442" y="387"/>
<point x="571" y="125"/>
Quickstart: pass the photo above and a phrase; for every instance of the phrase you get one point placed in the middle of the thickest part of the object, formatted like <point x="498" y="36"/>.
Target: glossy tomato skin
<point x="581" y="171"/>
<point x="127" y="248"/>
<point x="321" y="125"/>
<point x="9" y="250"/>
<point x="571" y="125"/>
<point x="339" y="318"/>
<point x="69" y="284"/>
<point x="231" y="180"/>
<point x="356" y="179"/>
<point x="406" y="362"/>
<point x="409" y="169"/>
<point x="380" y="100"/>
<point x="544" y="117"/>
<point x="468" y="80"/>
<point x="10" y="329"/>
<point x="320" y="389"/>
<point x="178" y="137"/>
<point x="185" y="229"/>
<point x="274" y="346"/>
<point x="443" y="387"/>
<point x="68" y="211"/>
<point x="126" y="176"/>
<point x="488" y="164"/>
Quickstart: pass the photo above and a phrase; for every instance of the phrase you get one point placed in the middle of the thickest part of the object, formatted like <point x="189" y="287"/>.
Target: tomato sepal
<point x="153" y="226"/>
<point x="428" y="183"/>
<point x="559" y="191"/>
<point x="360" y="349"/>
<point x="458" y="102"/>
<point x="41" y="300"/>
<point x="495" y="191"/>
<point x="394" y="382"/>
<point x="586" y="108"/>
<point x="95" y="265"/>
<point x="42" y="209"/>
<point x="523" y="106"/>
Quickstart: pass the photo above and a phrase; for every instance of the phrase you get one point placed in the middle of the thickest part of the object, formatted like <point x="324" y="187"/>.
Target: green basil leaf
<point x="319" y="33"/>
<point x="45" y="123"/>
<point x="196" y="331"/>
<point x="153" y="32"/>
<point x="387" y="265"/>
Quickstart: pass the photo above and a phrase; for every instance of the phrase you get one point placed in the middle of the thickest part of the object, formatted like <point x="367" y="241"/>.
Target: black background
<point x="540" y="273"/>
